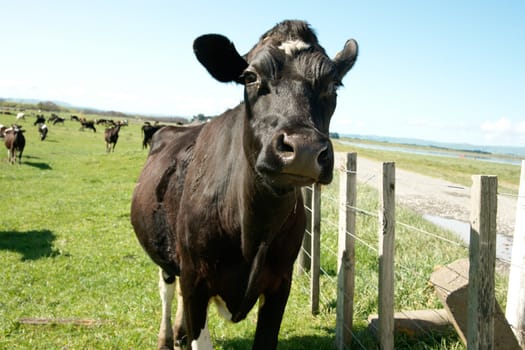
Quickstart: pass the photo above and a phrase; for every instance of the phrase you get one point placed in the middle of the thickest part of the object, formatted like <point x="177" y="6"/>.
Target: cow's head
<point x="290" y="96"/>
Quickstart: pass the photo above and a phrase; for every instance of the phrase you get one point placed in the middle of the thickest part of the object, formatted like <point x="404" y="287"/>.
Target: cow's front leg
<point x="196" y="298"/>
<point x="271" y="310"/>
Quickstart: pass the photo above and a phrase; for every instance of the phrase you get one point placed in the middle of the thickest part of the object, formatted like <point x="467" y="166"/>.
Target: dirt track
<point x="435" y="196"/>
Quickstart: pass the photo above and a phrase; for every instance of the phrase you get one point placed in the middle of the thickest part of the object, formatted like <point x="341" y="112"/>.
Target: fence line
<point x="346" y="255"/>
<point x="387" y="224"/>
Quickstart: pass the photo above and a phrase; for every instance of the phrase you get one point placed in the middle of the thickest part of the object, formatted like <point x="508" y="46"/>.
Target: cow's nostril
<point x="324" y="157"/>
<point x="282" y="145"/>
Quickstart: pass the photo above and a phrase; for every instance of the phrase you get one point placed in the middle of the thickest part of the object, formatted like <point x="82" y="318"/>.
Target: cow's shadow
<point x="32" y="245"/>
<point x="39" y="165"/>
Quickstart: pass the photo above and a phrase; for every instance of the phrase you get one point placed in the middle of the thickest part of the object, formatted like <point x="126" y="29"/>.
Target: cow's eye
<point x="249" y="77"/>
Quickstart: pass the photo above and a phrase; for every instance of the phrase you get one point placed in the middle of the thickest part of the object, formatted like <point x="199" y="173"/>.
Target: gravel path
<point x="435" y="196"/>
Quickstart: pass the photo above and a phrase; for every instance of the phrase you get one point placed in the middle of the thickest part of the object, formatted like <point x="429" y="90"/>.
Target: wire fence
<point x="419" y="248"/>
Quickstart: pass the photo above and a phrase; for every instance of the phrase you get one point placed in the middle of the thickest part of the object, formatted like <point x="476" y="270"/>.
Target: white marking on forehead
<point x="291" y="46"/>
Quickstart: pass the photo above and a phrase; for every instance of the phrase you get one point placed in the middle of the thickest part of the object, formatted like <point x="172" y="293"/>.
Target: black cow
<point x="40" y="119"/>
<point x="14" y="141"/>
<point x="43" y="130"/>
<point x="147" y="131"/>
<point x="59" y="120"/>
<point x="52" y="118"/>
<point x="111" y="138"/>
<point x="219" y="204"/>
<point x="87" y="124"/>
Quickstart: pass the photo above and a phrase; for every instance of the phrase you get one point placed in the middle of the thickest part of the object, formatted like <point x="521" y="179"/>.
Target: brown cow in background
<point x="14" y="141"/>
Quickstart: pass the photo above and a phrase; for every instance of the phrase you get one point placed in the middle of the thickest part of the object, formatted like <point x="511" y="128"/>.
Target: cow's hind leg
<point x="166" y="291"/>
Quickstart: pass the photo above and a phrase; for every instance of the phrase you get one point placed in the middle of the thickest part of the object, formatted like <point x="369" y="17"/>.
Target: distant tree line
<point x="200" y="118"/>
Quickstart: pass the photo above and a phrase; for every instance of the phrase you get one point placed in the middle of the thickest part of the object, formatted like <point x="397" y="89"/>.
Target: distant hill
<point x="34" y="101"/>
<point x="509" y="150"/>
<point x="59" y="105"/>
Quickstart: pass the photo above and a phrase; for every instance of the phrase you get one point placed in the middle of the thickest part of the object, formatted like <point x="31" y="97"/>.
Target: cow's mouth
<point x="294" y="179"/>
<point x="282" y="180"/>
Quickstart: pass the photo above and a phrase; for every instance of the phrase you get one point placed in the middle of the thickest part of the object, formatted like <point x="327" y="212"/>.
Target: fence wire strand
<point x="364" y="179"/>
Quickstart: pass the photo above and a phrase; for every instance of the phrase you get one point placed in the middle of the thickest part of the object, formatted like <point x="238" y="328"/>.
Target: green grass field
<point x="68" y="255"/>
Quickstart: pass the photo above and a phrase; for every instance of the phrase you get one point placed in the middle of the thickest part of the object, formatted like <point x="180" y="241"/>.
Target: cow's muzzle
<point x="308" y="157"/>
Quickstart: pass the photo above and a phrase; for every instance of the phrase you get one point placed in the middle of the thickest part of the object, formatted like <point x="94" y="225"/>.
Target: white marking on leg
<point x="204" y="341"/>
<point x="166" y="291"/>
<point x="178" y="327"/>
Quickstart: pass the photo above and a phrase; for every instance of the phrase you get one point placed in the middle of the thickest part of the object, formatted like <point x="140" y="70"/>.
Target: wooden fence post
<point x="482" y="256"/>
<point x="515" y="311"/>
<point x="315" y="267"/>
<point x="304" y="261"/>
<point x="387" y="224"/>
<point x="346" y="249"/>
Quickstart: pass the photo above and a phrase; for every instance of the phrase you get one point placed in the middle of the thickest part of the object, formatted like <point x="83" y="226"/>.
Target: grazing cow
<point x="111" y="138"/>
<point x="148" y="130"/>
<point x="74" y="117"/>
<point x="52" y="118"/>
<point x="43" y="130"/>
<point x="21" y="115"/>
<point x="59" y="120"/>
<point x="14" y="141"/>
<point x="219" y="204"/>
<point x="87" y="124"/>
<point x="39" y="119"/>
<point x="106" y="122"/>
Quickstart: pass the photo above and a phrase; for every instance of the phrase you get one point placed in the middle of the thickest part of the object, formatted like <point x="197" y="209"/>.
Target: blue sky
<point x="450" y="71"/>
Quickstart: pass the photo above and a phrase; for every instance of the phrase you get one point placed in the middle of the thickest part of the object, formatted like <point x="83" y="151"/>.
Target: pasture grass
<point x="68" y="255"/>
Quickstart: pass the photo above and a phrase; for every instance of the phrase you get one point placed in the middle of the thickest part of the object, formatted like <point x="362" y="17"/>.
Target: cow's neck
<point x="263" y="217"/>
<point x="259" y="210"/>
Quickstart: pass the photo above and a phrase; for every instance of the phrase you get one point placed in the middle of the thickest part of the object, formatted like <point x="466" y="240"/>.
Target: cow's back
<point x="165" y="170"/>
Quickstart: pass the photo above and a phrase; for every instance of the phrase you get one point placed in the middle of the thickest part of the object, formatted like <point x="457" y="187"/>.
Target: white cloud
<point x="504" y="131"/>
<point x="521" y="128"/>
<point x="501" y="125"/>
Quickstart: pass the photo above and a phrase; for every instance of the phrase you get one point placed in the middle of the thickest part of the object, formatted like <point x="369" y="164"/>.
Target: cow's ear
<point x="218" y="54"/>
<point x="345" y="59"/>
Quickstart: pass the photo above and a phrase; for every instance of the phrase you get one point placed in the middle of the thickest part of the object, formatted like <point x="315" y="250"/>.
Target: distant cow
<point x="107" y="122"/>
<point x="147" y="131"/>
<point x="43" y="130"/>
<point x="87" y="124"/>
<point x="59" y="120"/>
<point x="21" y="115"/>
<point x="53" y="117"/>
<point x="14" y="141"/>
<point x="39" y="119"/>
<point x="111" y="138"/>
<point x="219" y="204"/>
